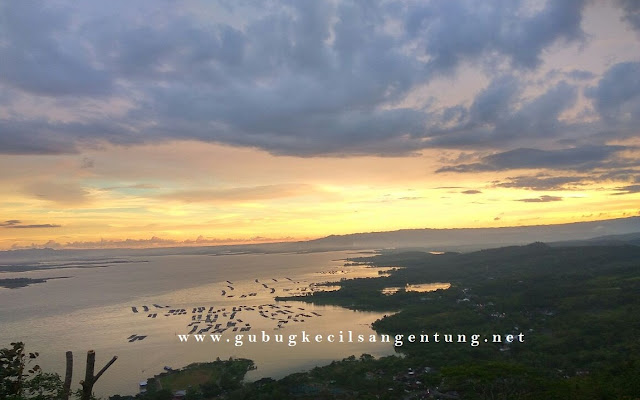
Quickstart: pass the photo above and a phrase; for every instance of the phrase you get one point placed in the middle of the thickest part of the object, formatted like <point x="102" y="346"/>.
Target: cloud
<point x="332" y="78"/>
<point x="254" y="193"/>
<point x="64" y="194"/>
<point x="87" y="163"/>
<point x="10" y="222"/>
<point x="543" y="182"/>
<point x="577" y="158"/>
<point x="471" y="191"/>
<point x="142" y="186"/>
<point x="39" y="136"/>
<point x="629" y="189"/>
<point x="494" y="101"/>
<point x="153" y="241"/>
<point x="617" y="95"/>
<point x="287" y="77"/>
<point x="631" y="13"/>
<point x="567" y="74"/>
<point x="35" y="226"/>
<point x="542" y="199"/>
<point x="500" y="116"/>
<point x="44" y="55"/>
<point x="17" y="224"/>
<point x="24" y="136"/>
<point x="491" y="29"/>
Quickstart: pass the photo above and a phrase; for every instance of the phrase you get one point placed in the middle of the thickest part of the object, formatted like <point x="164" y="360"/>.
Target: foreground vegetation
<point x="198" y="381"/>
<point x="21" y="378"/>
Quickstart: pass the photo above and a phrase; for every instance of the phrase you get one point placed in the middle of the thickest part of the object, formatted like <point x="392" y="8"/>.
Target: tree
<point x="43" y="386"/>
<point x="12" y="370"/>
<point x="18" y="384"/>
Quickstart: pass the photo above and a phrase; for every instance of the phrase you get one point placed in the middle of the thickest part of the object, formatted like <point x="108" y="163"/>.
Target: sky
<point x="166" y="123"/>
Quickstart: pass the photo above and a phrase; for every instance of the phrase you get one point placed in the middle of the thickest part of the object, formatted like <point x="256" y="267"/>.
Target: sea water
<point x="92" y="306"/>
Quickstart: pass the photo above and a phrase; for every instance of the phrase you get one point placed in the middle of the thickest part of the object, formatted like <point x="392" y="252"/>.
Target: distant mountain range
<point x="608" y="240"/>
<point x="605" y="232"/>
<point x="611" y="231"/>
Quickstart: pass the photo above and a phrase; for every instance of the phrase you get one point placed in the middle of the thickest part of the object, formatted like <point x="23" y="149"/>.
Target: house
<point x="179" y="395"/>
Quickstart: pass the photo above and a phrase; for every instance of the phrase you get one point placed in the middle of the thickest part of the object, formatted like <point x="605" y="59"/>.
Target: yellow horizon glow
<point x="180" y="191"/>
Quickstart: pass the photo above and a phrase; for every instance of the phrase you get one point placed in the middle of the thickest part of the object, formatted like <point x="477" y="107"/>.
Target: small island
<point x="15" y="283"/>
<point x="200" y="380"/>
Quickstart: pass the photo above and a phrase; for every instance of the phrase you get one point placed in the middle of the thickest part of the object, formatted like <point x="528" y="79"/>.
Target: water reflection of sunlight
<point x="422" y="287"/>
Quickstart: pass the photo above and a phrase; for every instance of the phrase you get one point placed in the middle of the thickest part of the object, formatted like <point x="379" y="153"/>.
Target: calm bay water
<point x="93" y="308"/>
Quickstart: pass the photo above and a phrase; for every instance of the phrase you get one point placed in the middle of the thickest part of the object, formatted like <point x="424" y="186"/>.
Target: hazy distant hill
<point x="473" y="238"/>
<point x="608" y="240"/>
<point x="614" y="231"/>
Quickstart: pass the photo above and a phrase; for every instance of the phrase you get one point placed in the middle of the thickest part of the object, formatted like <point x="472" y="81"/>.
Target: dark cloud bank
<point x="17" y="224"/>
<point x="310" y="79"/>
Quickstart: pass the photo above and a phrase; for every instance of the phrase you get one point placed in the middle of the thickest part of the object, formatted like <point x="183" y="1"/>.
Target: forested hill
<point x="577" y="307"/>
